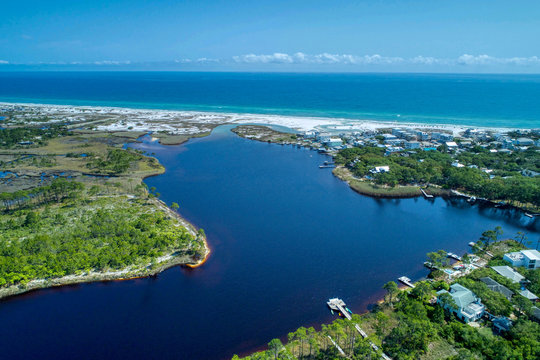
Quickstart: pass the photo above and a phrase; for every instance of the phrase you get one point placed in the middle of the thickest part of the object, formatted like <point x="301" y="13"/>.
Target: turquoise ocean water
<point x="476" y="100"/>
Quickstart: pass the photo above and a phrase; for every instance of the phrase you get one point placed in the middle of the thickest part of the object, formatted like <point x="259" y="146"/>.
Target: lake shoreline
<point x="175" y="258"/>
<point x="266" y="134"/>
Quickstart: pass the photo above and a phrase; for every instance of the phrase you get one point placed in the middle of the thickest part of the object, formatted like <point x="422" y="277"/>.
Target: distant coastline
<point x="299" y="123"/>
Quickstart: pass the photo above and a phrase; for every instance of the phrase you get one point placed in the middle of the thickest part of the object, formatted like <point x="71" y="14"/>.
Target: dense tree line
<point x="12" y="136"/>
<point x="409" y="324"/>
<point x="63" y="239"/>
<point x="57" y="191"/>
<point x="117" y="161"/>
<point x="433" y="167"/>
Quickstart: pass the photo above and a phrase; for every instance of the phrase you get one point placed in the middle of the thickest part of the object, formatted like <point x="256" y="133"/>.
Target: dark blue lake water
<point x="464" y="99"/>
<point x="285" y="236"/>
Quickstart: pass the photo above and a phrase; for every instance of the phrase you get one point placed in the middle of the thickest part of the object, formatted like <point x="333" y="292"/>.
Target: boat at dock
<point x="472" y="244"/>
<point x="471" y="200"/>
<point x="343" y="310"/>
<point x="326" y="166"/>
<point x="339" y="306"/>
<point x="406" y="281"/>
<point x="454" y="256"/>
<point x="430" y="265"/>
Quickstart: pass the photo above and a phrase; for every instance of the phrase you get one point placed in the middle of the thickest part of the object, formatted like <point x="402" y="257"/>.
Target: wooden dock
<point x="337" y="347"/>
<point x="406" y="281"/>
<point x="339" y="305"/>
<point x="426" y="195"/>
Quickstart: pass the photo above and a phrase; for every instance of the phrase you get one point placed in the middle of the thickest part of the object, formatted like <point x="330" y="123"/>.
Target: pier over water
<point x="339" y="305"/>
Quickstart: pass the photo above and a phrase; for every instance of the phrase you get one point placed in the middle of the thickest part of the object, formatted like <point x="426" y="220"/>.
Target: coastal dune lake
<point x="285" y="236"/>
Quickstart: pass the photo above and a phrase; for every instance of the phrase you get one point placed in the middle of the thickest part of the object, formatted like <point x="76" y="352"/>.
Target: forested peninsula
<point x="73" y="208"/>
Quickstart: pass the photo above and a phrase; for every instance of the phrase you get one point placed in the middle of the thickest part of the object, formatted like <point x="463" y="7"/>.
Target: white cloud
<point x="467" y="59"/>
<point x="324" y="58"/>
<point x="112" y="62"/>
<point x="204" y="60"/>
<point x="427" y="60"/>
<point x="4" y="62"/>
<point x="278" y="58"/>
<point x="376" y="59"/>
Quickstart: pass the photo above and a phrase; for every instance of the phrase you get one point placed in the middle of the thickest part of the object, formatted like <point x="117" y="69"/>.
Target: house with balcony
<point x="469" y="306"/>
<point x="529" y="259"/>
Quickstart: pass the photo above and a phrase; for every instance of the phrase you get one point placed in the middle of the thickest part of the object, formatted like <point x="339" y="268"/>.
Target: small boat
<point x="454" y="256"/>
<point x="529" y="215"/>
<point x="332" y="311"/>
<point x="348" y="310"/>
<point x="472" y="244"/>
<point x="472" y="199"/>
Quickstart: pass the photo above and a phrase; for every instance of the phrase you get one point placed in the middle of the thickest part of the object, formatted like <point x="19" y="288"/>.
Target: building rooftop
<point x="515" y="256"/>
<point x="529" y="295"/>
<point x="462" y="296"/>
<point x="508" y="273"/>
<point x="495" y="286"/>
<point x="531" y="254"/>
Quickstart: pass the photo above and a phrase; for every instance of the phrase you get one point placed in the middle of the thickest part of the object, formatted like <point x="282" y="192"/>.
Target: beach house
<point x="509" y="273"/>
<point x="380" y="169"/>
<point x="495" y="286"/>
<point x="526" y="258"/>
<point x="469" y="307"/>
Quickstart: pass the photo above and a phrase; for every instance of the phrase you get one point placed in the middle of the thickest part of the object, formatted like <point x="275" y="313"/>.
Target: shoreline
<point x="90" y="277"/>
<point x="296" y="122"/>
<point x="169" y="260"/>
<point x="264" y="133"/>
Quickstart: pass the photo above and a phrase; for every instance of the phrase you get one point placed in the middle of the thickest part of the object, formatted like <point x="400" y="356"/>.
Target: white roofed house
<point x="452" y="145"/>
<point x="524" y="142"/>
<point x="334" y="141"/>
<point x="509" y="273"/>
<point x="380" y="169"/>
<point x="468" y="305"/>
<point x="529" y="259"/>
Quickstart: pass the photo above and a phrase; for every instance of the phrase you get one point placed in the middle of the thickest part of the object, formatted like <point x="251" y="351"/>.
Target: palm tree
<point x="392" y="289"/>
<point x="521" y="237"/>
<point x="275" y="347"/>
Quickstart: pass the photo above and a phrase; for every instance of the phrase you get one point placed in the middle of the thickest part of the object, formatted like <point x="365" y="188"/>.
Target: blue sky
<point x="391" y="35"/>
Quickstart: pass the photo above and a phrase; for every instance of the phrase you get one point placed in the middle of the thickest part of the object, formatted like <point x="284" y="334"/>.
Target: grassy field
<point x="371" y="189"/>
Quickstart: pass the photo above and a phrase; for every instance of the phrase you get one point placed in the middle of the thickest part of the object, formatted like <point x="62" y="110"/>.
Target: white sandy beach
<point x="195" y="122"/>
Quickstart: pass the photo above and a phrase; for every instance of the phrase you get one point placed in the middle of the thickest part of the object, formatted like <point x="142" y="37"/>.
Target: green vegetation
<point x="59" y="226"/>
<point x="74" y="233"/>
<point x="409" y="324"/>
<point x="11" y="137"/>
<point x="59" y="190"/>
<point x="433" y="167"/>
<point x="117" y="161"/>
